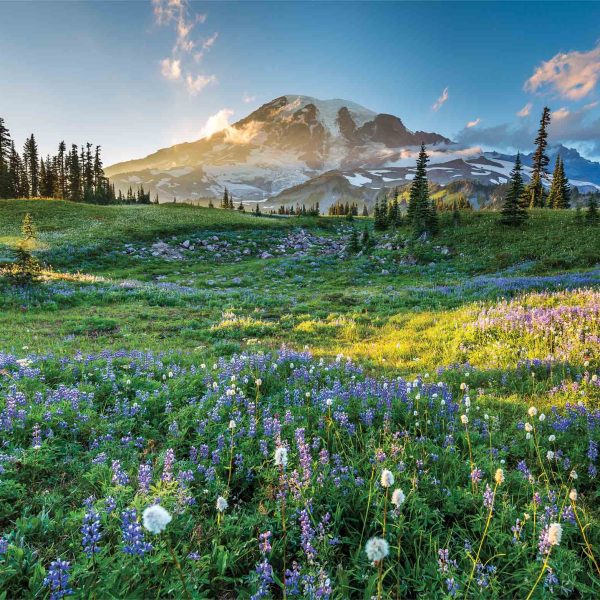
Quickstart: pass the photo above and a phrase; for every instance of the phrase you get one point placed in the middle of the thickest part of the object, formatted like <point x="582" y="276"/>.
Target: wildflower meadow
<point x="220" y="428"/>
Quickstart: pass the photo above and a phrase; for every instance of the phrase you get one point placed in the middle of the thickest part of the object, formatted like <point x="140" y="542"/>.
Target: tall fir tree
<point x="5" y="151"/>
<point x="32" y="166"/>
<point x="540" y="160"/>
<point x="421" y="214"/>
<point x="559" y="195"/>
<point x="514" y="212"/>
<point x="591" y="215"/>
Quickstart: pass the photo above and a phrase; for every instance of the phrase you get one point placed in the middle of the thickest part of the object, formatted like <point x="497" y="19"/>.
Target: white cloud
<point x="196" y="84"/>
<point x="474" y="123"/>
<point x="171" y="69"/>
<point x="209" y="42"/>
<point x="247" y="98"/>
<point x="571" y="75"/>
<point x="526" y="110"/>
<point x="561" y="113"/>
<point x="179" y="67"/>
<point x="216" y="122"/>
<point x="441" y="100"/>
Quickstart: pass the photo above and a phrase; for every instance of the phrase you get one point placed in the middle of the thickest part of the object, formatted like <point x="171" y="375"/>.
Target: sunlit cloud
<point x="561" y="113"/>
<point x="196" y="84"/>
<point x="526" y="110"/>
<point x="171" y="69"/>
<point x="571" y="75"/>
<point x="216" y="122"/>
<point x="440" y="101"/>
<point x="474" y="123"/>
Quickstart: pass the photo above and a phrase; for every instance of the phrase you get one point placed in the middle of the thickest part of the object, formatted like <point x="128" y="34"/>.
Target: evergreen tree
<point x="565" y="195"/>
<point x="560" y="190"/>
<point x="535" y="190"/>
<point x="591" y="215"/>
<point x="32" y="166"/>
<point x="241" y="206"/>
<point x="365" y="211"/>
<point x="61" y="173"/>
<point x="513" y="211"/>
<point x="5" y="153"/>
<point x="422" y="215"/>
<point x="210" y="203"/>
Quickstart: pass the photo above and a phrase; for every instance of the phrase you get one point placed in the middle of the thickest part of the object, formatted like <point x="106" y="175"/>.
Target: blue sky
<point x="137" y="76"/>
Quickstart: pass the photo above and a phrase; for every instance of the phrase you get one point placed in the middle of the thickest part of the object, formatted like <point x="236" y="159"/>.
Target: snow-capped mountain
<point x="283" y="143"/>
<point x="301" y="149"/>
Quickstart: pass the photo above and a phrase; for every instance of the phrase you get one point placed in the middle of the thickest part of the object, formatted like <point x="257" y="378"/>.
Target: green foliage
<point x="514" y="212"/>
<point x="422" y="213"/>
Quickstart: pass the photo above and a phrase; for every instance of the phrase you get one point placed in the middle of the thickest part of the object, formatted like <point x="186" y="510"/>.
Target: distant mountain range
<point x="300" y="149"/>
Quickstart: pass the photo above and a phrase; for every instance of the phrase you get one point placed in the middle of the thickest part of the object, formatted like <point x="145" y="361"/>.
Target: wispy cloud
<point x="526" y="110"/>
<point x="474" y="123"/>
<point x="170" y="69"/>
<point x="441" y="100"/>
<point x="186" y="50"/>
<point x="209" y="42"/>
<point x="571" y="75"/>
<point x="561" y="113"/>
<point x="196" y="84"/>
<point x="247" y="98"/>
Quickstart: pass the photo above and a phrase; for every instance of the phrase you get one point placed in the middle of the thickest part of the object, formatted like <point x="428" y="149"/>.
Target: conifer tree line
<point x="74" y="173"/>
<point x="533" y="195"/>
<point x="341" y="209"/>
<point x="300" y="211"/>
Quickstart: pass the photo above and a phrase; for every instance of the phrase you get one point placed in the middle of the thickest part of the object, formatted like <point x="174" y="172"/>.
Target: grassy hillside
<point x="172" y="350"/>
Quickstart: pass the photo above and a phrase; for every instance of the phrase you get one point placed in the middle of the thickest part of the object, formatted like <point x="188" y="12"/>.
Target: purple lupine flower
<point x="119" y="477"/>
<point x="167" y="474"/>
<point x="264" y="542"/>
<point x="57" y="579"/>
<point x="476" y="475"/>
<point x="133" y="536"/>
<point x="36" y="441"/>
<point x="144" y="477"/>
<point x="265" y="579"/>
<point x="90" y="531"/>
<point x="307" y="536"/>
<point x="488" y="497"/>
<point x="110" y="504"/>
<point x="3" y="545"/>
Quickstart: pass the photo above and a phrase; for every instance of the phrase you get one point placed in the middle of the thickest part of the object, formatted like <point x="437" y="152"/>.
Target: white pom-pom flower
<point x="554" y="534"/>
<point x="377" y="549"/>
<point x="222" y="504"/>
<point x="155" y="518"/>
<point x="281" y="456"/>
<point x="387" y="478"/>
<point x="398" y="498"/>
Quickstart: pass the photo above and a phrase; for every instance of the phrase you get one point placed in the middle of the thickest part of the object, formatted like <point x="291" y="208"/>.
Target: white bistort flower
<point x="532" y="411"/>
<point x="573" y="495"/>
<point x="554" y="534"/>
<point x="387" y="478"/>
<point x="222" y="504"/>
<point x="155" y="518"/>
<point x="464" y="419"/>
<point x="377" y="549"/>
<point x="398" y="498"/>
<point x="281" y="456"/>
